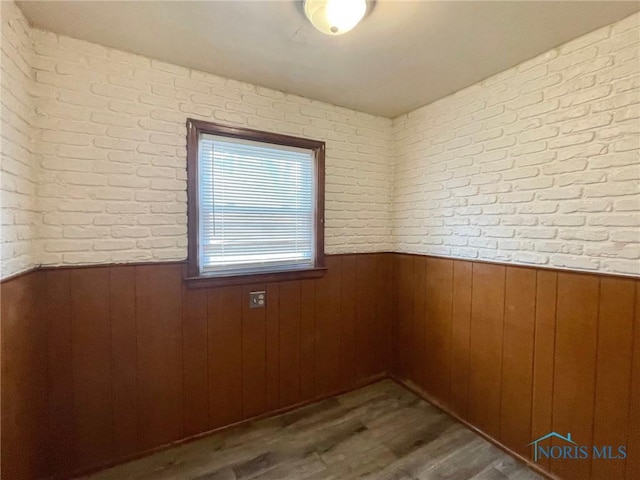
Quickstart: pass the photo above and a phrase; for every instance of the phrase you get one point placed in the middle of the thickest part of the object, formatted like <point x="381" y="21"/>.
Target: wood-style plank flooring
<point x="379" y="432"/>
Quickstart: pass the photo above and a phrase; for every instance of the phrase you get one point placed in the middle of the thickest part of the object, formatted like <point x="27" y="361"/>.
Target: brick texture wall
<point x="539" y="164"/>
<point x="18" y="217"/>
<point x="111" y="152"/>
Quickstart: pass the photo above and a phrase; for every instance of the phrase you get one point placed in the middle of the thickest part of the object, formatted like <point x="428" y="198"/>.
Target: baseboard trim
<point x="80" y="473"/>
<point x="425" y="396"/>
<point x="371" y="380"/>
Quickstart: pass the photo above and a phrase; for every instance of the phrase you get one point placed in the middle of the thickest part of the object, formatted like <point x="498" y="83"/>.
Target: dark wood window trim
<point x="194" y="278"/>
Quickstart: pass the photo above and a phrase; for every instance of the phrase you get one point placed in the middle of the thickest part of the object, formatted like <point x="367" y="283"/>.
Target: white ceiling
<point x="403" y="55"/>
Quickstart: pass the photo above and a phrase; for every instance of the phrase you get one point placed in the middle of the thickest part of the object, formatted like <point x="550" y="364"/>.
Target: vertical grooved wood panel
<point x="24" y="378"/>
<point x="272" y="342"/>
<point x="395" y="318"/>
<point x="383" y="290"/>
<point x="526" y="346"/>
<point x="575" y="366"/>
<point x="365" y="314"/>
<point x="254" y="355"/>
<point x="159" y="326"/>
<point x="543" y="357"/>
<point x="405" y="315"/>
<point x="225" y="355"/>
<point x="195" y="352"/>
<point x="460" y="337"/>
<point x="328" y="328"/>
<point x="487" y="322"/>
<point x="348" y="312"/>
<point x="36" y="395"/>
<point x="133" y="359"/>
<point x="91" y="353"/>
<point x="122" y="292"/>
<point x="289" y="344"/>
<point x="126" y="358"/>
<point x="56" y="308"/>
<point x="633" y="428"/>
<point x="307" y="339"/>
<point x="439" y="302"/>
<point x="613" y="375"/>
<point x="517" y="360"/>
<point x="417" y="362"/>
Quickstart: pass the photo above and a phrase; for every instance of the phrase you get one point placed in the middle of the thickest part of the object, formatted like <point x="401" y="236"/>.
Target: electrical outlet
<point x="257" y="299"/>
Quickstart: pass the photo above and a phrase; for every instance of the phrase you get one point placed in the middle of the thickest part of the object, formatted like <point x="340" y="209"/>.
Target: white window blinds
<point x="256" y="206"/>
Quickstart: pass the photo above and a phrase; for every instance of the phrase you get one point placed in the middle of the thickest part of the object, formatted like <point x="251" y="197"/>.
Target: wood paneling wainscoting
<point x="103" y="363"/>
<point x="24" y="410"/>
<point x="518" y="352"/>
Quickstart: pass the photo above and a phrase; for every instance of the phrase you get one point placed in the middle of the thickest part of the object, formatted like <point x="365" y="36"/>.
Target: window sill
<point x="205" y="281"/>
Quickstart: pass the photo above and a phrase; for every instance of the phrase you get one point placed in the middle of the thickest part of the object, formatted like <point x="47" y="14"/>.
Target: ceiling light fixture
<point x="335" y="17"/>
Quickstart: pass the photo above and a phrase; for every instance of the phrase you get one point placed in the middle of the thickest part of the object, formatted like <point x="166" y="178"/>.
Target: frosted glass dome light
<point x="335" y="17"/>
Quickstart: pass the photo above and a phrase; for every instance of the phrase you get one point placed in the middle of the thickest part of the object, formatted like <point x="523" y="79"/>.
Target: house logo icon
<point x="547" y="436"/>
<point x="570" y="450"/>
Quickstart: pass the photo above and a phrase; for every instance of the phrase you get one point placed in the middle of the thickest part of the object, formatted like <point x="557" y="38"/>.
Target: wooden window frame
<point x="194" y="277"/>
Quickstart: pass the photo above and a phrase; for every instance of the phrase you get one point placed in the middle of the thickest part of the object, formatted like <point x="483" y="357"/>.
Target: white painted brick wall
<point x="18" y="217"/>
<point x="111" y="151"/>
<point x="539" y="164"/>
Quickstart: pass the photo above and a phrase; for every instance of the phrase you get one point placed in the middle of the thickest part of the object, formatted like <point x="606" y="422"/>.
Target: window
<point x="255" y="205"/>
